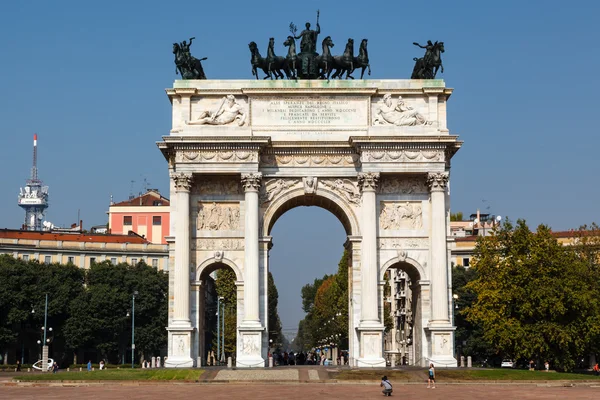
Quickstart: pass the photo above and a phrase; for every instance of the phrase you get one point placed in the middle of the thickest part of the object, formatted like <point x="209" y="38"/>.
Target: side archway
<point x="212" y="264"/>
<point x="410" y="265"/>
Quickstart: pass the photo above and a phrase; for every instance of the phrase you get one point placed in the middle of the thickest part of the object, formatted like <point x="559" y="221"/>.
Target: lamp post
<point x="135" y="293"/>
<point x="45" y="340"/>
<point x="454" y="307"/>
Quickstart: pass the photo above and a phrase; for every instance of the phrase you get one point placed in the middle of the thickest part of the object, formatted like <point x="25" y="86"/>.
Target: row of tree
<point x="89" y="311"/>
<point x="529" y="297"/>
<point x="325" y="303"/>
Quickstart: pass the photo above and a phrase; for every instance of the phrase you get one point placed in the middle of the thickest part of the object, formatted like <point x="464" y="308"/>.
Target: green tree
<point x="275" y="332"/>
<point x="458" y="216"/>
<point x="534" y="297"/>
<point x="226" y="288"/>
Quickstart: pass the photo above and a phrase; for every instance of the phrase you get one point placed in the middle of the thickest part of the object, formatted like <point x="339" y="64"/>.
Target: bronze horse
<point x="292" y="58"/>
<point x="188" y="68"/>
<point x="427" y="67"/>
<point x="345" y="62"/>
<point x="362" y="61"/>
<point x="274" y="63"/>
<point x="325" y="60"/>
<point x="258" y="61"/>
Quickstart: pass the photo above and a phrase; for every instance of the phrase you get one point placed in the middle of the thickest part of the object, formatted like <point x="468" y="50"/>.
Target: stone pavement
<point x="296" y="391"/>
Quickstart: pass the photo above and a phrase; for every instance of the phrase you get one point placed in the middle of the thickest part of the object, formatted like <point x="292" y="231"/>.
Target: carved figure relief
<point x="273" y="187"/>
<point x="406" y="215"/>
<point x="218" y="186"/>
<point x="218" y="216"/>
<point x="178" y="345"/>
<point x="250" y="345"/>
<point x="399" y="185"/>
<point x="344" y="187"/>
<point x="398" y="114"/>
<point x="229" y="112"/>
<point x="224" y="156"/>
<point x="370" y="345"/>
<point x="403" y="156"/>
<point x="310" y="184"/>
<point x="415" y="243"/>
<point x="309" y="160"/>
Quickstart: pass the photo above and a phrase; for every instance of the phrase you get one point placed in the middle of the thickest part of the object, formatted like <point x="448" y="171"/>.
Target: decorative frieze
<point x="222" y="156"/>
<point x="218" y="216"/>
<point x="344" y="187"/>
<point x="218" y="244"/>
<point x="402" y="185"/>
<point x="404" y="243"/>
<point x="309" y="160"/>
<point x="401" y="215"/>
<point x="217" y="186"/>
<point x="402" y="156"/>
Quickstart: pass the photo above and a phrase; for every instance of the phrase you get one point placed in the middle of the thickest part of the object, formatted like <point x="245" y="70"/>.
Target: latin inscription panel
<point x="309" y="112"/>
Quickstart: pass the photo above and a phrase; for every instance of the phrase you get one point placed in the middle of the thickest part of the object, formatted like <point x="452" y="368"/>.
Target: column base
<point x="180" y="347"/>
<point x="249" y="345"/>
<point x="371" y="345"/>
<point x="442" y="345"/>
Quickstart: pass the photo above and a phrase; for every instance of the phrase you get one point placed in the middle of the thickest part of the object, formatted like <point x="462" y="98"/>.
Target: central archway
<point x="344" y="212"/>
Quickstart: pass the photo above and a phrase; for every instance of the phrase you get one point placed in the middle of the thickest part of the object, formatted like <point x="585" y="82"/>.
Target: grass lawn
<point x="460" y="375"/>
<point x="117" y="375"/>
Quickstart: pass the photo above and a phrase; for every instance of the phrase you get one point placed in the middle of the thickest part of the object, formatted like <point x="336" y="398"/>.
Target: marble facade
<point x="376" y="153"/>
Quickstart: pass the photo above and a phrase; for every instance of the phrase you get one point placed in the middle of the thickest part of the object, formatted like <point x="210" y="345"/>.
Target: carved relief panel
<point x="218" y="185"/>
<point x="401" y="215"/>
<point x="403" y="185"/>
<point x="218" y="216"/>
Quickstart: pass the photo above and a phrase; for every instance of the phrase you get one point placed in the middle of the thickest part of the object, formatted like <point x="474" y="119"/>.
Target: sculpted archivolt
<point x="274" y="187"/>
<point x="405" y="215"/>
<point x="218" y="216"/>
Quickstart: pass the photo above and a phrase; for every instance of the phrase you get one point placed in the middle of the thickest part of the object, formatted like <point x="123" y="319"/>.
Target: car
<point x="508" y="364"/>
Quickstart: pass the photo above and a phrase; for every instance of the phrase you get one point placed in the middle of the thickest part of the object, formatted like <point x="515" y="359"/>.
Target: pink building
<point x="147" y="215"/>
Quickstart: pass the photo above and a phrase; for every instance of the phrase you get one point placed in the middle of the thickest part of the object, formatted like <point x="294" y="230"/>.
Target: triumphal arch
<point x="375" y="153"/>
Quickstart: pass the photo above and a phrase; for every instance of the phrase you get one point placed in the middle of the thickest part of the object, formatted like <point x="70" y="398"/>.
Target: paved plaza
<point x="297" y="391"/>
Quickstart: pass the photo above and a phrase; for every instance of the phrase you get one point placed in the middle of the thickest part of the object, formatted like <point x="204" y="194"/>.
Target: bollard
<point x="462" y="361"/>
<point x="199" y="362"/>
<point x="93" y="368"/>
<point x="153" y="363"/>
<point x="270" y="362"/>
<point x="79" y="369"/>
<point x="229" y="362"/>
<point x="469" y="365"/>
<point x="28" y="369"/>
<point x="392" y="361"/>
<point x="68" y="369"/>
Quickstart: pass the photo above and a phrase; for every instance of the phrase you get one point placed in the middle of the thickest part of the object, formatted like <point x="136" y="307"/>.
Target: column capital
<point x="251" y="182"/>
<point x="437" y="181"/>
<point x="183" y="182"/>
<point x="368" y="181"/>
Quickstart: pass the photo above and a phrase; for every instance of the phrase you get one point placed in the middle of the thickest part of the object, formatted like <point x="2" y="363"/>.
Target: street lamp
<point x="454" y="307"/>
<point x="135" y="293"/>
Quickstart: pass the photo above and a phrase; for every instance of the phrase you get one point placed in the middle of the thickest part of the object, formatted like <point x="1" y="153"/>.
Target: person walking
<point x="431" y="379"/>
<point x="596" y="369"/>
<point x="387" y="386"/>
<point x="89" y="365"/>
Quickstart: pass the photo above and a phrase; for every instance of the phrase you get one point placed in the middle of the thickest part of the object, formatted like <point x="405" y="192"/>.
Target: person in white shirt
<point x="387" y="386"/>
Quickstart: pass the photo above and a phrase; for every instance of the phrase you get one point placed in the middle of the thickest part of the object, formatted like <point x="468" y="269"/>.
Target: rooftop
<point x="72" y="237"/>
<point x="151" y="198"/>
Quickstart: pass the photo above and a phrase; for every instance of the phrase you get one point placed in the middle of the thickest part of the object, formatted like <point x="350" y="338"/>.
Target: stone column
<point x="181" y="293"/>
<point x="180" y="329"/>
<point x="368" y="183"/>
<point x="437" y="183"/>
<point x="250" y="331"/>
<point x="251" y="183"/>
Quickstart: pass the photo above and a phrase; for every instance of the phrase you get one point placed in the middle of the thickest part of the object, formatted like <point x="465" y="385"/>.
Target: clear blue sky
<point x="89" y="78"/>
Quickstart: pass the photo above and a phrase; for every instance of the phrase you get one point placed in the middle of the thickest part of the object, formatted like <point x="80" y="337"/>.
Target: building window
<point x="71" y="260"/>
<point x="113" y="261"/>
<point x="92" y="260"/>
<point x="127" y="220"/>
<point x="134" y="261"/>
<point x="47" y="259"/>
<point x="156" y="220"/>
<point x="25" y="257"/>
<point x="155" y="262"/>
<point x="466" y="262"/>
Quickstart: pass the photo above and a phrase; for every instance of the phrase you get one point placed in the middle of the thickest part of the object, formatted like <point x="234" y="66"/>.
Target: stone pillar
<point x="370" y="328"/>
<point x="439" y="269"/>
<point x="440" y="327"/>
<point x="251" y="330"/>
<point x="180" y="330"/>
<point x="368" y="183"/>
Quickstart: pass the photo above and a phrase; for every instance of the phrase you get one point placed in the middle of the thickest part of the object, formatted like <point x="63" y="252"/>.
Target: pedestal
<point x="44" y="358"/>
<point x="442" y="346"/>
<point x="180" y="346"/>
<point x="371" y="347"/>
<point x="249" y="341"/>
